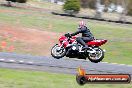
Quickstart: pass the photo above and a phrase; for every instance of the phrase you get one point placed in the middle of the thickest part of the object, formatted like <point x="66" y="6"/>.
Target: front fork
<point x="61" y="45"/>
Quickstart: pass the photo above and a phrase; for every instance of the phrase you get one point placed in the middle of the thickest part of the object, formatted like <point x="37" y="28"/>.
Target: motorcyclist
<point x="86" y="35"/>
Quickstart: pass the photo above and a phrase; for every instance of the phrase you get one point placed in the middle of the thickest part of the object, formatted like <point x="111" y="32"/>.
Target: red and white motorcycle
<point x="69" y="47"/>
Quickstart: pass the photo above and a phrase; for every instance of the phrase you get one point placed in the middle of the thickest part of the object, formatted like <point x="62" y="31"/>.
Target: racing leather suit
<point x="86" y="36"/>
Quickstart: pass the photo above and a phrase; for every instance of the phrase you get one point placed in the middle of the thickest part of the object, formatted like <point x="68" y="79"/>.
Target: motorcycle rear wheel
<point x="96" y="58"/>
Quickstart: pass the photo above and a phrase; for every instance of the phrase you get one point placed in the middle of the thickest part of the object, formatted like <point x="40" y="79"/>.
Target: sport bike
<point x="69" y="47"/>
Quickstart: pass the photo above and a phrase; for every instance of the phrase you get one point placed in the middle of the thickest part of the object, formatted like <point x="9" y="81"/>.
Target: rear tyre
<point x="96" y="57"/>
<point x="58" y="52"/>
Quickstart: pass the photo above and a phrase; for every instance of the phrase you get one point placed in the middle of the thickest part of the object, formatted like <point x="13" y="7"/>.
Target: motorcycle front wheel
<point x="58" y="52"/>
<point x="96" y="57"/>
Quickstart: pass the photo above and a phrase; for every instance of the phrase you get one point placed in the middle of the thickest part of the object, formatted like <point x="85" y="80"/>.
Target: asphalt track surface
<point x="50" y="64"/>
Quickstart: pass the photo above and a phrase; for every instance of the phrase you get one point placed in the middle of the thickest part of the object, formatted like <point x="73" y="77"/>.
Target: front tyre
<point x="97" y="56"/>
<point x="58" y="52"/>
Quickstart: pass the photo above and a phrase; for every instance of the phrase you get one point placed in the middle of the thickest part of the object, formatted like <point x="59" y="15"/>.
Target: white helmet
<point x="82" y="24"/>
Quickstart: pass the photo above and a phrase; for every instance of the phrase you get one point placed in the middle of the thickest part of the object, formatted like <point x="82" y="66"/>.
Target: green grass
<point x="119" y="37"/>
<point x="36" y="79"/>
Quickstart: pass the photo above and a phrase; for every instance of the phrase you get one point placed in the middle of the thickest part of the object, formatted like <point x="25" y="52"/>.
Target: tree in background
<point x="98" y="14"/>
<point x="72" y="6"/>
<point x="19" y="1"/>
<point x="126" y="4"/>
<point x="129" y="8"/>
<point x="88" y="4"/>
<point x="130" y="11"/>
<point x="96" y="4"/>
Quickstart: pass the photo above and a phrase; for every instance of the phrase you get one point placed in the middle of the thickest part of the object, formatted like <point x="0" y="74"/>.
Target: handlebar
<point x="68" y="35"/>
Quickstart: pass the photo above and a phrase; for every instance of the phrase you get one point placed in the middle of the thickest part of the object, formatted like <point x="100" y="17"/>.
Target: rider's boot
<point x="85" y="47"/>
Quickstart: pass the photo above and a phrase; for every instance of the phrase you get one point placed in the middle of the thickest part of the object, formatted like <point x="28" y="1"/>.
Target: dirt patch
<point x="36" y="42"/>
<point x="12" y="11"/>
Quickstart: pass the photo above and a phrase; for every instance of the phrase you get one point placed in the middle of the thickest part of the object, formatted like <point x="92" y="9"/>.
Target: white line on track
<point x="104" y="62"/>
<point x="12" y="60"/>
<point x="2" y="59"/>
<point x="30" y="62"/>
<point x="21" y="61"/>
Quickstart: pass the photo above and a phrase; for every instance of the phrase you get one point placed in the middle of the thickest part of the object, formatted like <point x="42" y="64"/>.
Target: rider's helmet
<point x="82" y="24"/>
